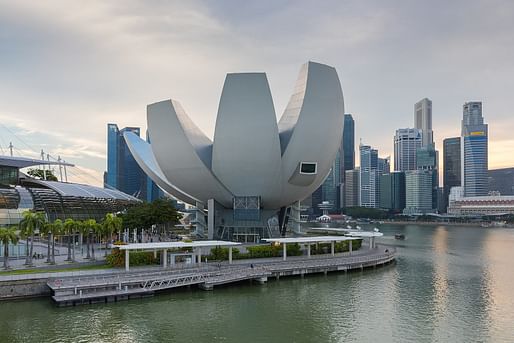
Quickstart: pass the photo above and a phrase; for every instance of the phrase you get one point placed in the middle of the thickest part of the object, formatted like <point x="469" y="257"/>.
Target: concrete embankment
<point x="25" y="288"/>
<point x="83" y="287"/>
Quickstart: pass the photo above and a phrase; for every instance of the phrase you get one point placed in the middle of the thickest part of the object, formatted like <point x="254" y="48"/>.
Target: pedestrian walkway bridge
<point x="123" y="286"/>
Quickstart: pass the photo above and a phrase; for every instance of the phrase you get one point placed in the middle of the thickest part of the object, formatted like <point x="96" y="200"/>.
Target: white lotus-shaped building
<point x="255" y="169"/>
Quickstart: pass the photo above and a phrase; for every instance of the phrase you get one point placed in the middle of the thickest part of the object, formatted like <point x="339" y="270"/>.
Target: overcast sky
<point x="68" y="68"/>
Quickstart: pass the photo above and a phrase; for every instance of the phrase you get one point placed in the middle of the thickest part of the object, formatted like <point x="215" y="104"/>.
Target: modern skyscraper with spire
<point x="474" y="142"/>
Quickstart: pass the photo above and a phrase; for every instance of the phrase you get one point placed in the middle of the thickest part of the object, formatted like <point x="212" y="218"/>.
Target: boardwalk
<point x="123" y="286"/>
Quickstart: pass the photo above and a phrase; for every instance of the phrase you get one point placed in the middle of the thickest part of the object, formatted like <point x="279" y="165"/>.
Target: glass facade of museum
<point x="59" y="200"/>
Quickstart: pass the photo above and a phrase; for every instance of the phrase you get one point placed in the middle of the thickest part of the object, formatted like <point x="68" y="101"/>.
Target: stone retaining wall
<point x="14" y="289"/>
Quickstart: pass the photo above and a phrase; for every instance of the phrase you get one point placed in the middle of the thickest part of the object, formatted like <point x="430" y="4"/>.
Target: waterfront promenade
<point x="108" y="287"/>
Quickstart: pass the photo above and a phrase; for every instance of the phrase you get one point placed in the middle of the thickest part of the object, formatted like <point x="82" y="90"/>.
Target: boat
<point x="399" y="236"/>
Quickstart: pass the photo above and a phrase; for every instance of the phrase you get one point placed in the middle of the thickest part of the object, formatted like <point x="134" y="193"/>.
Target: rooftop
<point x="172" y="245"/>
<point x="23" y="162"/>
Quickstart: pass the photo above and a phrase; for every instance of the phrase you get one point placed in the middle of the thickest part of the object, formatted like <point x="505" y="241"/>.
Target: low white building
<point x="480" y="205"/>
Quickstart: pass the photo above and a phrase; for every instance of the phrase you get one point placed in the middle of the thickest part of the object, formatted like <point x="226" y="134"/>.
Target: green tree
<point x="160" y="212"/>
<point x="69" y="228"/>
<point x="31" y="222"/>
<point x="89" y="228"/>
<point x="97" y="233"/>
<point x="40" y="174"/>
<point x="111" y="224"/>
<point x="8" y="236"/>
<point x="47" y="230"/>
<point x="57" y="229"/>
<point x="84" y="230"/>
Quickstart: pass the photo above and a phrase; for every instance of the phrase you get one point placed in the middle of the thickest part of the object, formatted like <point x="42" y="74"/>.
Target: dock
<point x="107" y="288"/>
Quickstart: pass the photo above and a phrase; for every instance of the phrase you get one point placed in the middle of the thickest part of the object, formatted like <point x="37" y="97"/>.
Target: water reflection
<point x="450" y="284"/>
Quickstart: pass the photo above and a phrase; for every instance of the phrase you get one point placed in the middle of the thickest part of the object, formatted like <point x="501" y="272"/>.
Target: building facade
<point x="418" y="192"/>
<point x="427" y="159"/>
<point x="502" y="181"/>
<point x="369" y="177"/>
<point x="423" y="120"/>
<point x="352" y="188"/>
<point x="58" y="200"/>
<point x="123" y="172"/>
<point x="392" y="191"/>
<point x="347" y="154"/>
<point x="482" y="205"/>
<point x="247" y="183"/>
<point x="451" y="166"/>
<point x="474" y="154"/>
<point x="406" y="143"/>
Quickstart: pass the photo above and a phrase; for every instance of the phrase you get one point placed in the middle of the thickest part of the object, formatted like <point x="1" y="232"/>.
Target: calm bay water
<point x="450" y="284"/>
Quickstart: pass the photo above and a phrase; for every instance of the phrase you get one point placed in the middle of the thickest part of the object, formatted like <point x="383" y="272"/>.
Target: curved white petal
<point x="143" y="154"/>
<point x="183" y="152"/>
<point x="246" y="151"/>
<point x="311" y="129"/>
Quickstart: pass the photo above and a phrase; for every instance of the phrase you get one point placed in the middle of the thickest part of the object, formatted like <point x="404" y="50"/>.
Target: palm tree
<point x="84" y="230"/>
<point x="90" y="225"/>
<point x="8" y="236"/>
<point x="111" y="224"/>
<point x="47" y="230"/>
<point x="29" y="224"/>
<point x="69" y="225"/>
<point x="98" y="232"/>
<point x="57" y="229"/>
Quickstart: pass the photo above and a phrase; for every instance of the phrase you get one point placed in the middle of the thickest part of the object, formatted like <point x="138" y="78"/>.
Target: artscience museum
<point x="247" y="183"/>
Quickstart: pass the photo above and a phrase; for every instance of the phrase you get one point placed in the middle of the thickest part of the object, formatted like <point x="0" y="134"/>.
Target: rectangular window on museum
<point x="308" y="168"/>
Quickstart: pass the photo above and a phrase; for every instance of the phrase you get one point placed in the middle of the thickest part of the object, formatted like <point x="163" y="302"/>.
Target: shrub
<point x="136" y="258"/>
<point x="262" y="251"/>
<point x="221" y="254"/>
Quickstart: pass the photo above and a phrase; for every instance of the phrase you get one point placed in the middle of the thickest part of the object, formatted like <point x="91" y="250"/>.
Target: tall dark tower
<point x="451" y="166"/>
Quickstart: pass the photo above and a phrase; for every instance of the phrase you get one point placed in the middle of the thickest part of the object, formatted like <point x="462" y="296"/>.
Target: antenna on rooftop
<point x="10" y="147"/>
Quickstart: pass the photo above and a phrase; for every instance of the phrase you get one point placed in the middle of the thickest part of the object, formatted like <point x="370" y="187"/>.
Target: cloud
<point x="66" y="72"/>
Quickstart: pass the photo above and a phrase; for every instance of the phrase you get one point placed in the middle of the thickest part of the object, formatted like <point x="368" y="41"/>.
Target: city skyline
<point x="106" y="63"/>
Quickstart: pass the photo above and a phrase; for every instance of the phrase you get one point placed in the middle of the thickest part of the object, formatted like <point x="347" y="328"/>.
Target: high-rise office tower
<point x="502" y="181"/>
<point x="352" y="188"/>
<point x="418" y="192"/>
<point x="392" y="191"/>
<point x="451" y="166"/>
<point x="369" y="177"/>
<point x="474" y="156"/>
<point x="406" y="142"/>
<point x="123" y="172"/>
<point x="332" y="189"/>
<point x="384" y="165"/>
<point x="423" y="120"/>
<point x="348" y="146"/>
<point x="427" y="159"/>
<point x="347" y="154"/>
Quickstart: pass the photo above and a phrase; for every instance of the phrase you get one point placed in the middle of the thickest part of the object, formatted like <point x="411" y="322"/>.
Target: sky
<point x="67" y="68"/>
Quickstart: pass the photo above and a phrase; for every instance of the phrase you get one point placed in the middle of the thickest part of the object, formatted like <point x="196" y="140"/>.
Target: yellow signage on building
<point x="477" y="133"/>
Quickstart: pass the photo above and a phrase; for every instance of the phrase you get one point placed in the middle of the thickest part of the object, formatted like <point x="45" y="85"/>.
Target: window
<point x="308" y="168"/>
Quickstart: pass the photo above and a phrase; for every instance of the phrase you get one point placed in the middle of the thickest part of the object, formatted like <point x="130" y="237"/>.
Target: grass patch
<point x="64" y="269"/>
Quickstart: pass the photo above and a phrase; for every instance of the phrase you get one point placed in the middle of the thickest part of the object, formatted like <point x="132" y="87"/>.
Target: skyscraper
<point x="451" y="166"/>
<point x="348" y="146"/>
<point x="369" y="177"/>
<point x="392" y="191"/>
<point x="474" y="156"/>
<point x="423" y="120"/>
<point x="418" y="192"/>
<point x="502" y="180"/>
<point x="123" y="172"/>
<point x="406" y="142"/>
<point x="427" y="159"/>
<point x="351" y="188"/>
<point x="347" y="154"/>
